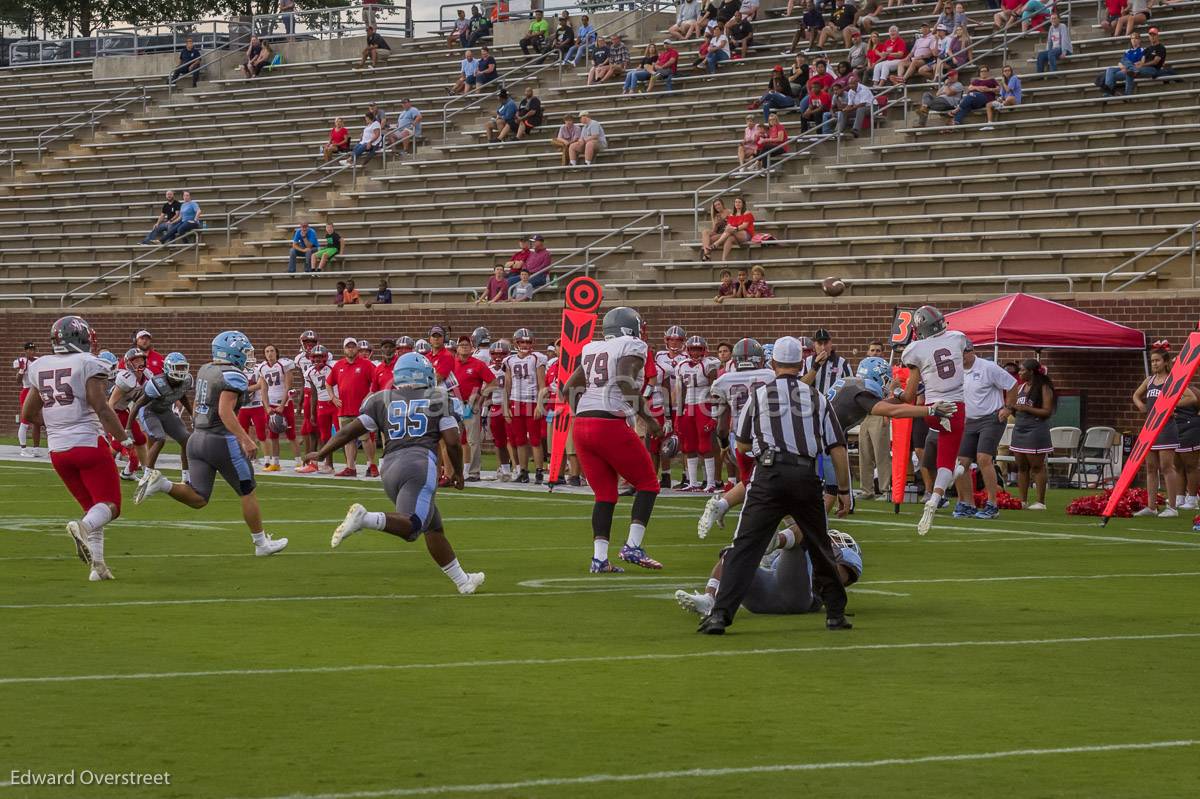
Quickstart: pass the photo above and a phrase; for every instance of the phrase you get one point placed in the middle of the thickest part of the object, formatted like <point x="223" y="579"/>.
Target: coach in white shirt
<point x="991" y="394"/>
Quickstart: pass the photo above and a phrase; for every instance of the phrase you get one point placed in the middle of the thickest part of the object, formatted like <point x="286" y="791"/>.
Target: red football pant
<point x="289" y="412"/>
<point x="256" y="417"/>
<point x="308" y="428"/>
<point x="326" y="419"/>
<point x="654" y="443"/>
<point x="135" y="430"/>
<point x="89" y="474"/>
<point x="695" y="427"/>
<point x="499" y="429"/>
<point x="948" y="442"/>
<point x="608" y="448"/>
<point x="523" y="429"/>
<point x="21" y="401"/>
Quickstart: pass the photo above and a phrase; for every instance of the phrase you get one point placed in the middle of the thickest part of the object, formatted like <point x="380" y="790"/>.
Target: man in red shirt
<point x="154" y="359"/>
<point x="475" y="380"/>
<point x="441" y="358"/>
<point x="349" y="384"/>
<point x="383" y="372"/>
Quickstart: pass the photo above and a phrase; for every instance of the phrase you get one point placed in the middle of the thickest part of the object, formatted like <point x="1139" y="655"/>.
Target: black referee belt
<point x="777" y="458"/>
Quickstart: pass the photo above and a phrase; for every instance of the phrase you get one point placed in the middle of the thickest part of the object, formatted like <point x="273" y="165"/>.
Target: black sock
<point x="602" y="516"/>
<point x="643" y="506"/>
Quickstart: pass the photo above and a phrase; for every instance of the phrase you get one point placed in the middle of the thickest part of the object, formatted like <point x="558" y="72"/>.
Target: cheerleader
<point x="1161" y="459"/>
<point x="1031" y="431"/>
<point x="1187" y="454"/>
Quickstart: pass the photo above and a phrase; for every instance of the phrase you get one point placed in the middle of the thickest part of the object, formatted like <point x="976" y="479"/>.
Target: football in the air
<point x="833" y="286"/>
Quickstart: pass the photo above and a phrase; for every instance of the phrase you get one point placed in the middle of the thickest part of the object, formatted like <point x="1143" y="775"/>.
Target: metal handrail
<point x="590" y="259"/>
<point x="128" y="268"/>
<point x="259" y="22"/>
<point x="213" y="55"/>
<point x="1189" y="250"/>
<point x="119" y="103"/>
<point x="12" y="162"/>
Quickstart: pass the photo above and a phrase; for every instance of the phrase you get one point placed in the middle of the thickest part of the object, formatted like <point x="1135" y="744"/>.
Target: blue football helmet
<point x="847" y="553"/>
<point x="232" y="347"/>
<point x="176" y="366"/>
<point x="875" y="372"/>
<point x="108" y="358"/>
<point x="412" y="369"/>
<point x="768" y="349"/>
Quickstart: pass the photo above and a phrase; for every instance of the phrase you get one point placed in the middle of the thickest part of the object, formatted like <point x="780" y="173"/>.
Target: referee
<point x="786" y="425"/>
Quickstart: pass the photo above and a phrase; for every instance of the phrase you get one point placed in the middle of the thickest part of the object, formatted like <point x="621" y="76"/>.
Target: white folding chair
<point x="1066" y="449"/>
<point x="1097" y="451"/>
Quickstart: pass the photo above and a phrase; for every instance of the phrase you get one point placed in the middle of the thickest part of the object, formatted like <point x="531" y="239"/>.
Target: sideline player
<point x="21" y="364"/>
<point x="936" y="360"/>
<point x="783" y="582"/>
<point x="665" y="361"/>
<point x="253" y="414"/>
<point x="500" y="350"/>
<point x="126" y="385"/>
<point x="605" y="393"/>
<point x="219" y="444"/>
<point x="694" y="377"/>
<point x="154" y="408"/>
<point x="316" y="385"/>
<point x="414" y="415"/>
<point x="308" y="406"/>
<point x="524" y="384"/>
<point x="69" y="394"/>
<point x="274" y="373"/>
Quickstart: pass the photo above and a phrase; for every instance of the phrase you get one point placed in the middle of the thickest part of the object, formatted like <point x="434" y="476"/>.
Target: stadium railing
<point x="333" y="22"/>
<point x="133" y="268"/>
<point x="590" y="258"/>
<point x="110" y="105"/>
<point x="1169" y="241"/>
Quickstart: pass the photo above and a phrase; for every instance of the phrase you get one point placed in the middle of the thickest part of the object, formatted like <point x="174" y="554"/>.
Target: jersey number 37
<point x="408" y="418"/>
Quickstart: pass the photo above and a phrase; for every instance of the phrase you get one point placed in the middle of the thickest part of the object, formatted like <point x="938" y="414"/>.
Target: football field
<point x="1033" y="655"/>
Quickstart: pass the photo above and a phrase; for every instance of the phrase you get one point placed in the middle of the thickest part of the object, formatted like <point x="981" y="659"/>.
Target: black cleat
<point x="838" y="623"/>
<point x="539" y="478"/>
<point x="627" y="492"/>
<point x="713" y="624"/>
<point x="523" y="477"/>
<point x="665" y="481"/>
<point x="575" y="481"/>
<point x="682" y="484"/>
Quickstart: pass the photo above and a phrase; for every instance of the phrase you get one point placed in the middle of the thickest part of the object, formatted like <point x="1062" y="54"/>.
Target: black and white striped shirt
<point x="828" y="373"/>
<point x="788" y="415"/>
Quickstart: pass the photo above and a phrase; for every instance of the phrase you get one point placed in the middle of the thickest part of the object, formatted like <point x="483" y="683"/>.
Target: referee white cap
<point x="787" y="350"/>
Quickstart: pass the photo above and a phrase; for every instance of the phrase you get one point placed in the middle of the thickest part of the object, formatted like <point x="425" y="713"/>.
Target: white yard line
<point x="709" y="773"/>
<point x="1034" y="534"/>
<point x="570" y="661"/>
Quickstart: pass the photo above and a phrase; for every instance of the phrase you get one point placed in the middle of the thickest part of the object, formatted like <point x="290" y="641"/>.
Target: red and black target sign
<point x="584" y="294"/>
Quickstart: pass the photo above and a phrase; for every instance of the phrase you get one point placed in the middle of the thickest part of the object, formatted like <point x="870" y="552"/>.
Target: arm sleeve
<point x="745" y="422"/>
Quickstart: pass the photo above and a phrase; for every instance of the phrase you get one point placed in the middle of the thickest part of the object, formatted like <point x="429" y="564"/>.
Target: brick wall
<point x="1107" y="378"/>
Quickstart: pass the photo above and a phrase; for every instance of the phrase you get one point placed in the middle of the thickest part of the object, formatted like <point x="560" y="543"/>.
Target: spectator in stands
<point x="1009" y="13"/>
<point x="503" y="124"/>
<point x="485" y="68"/>
<point x="1058" y="44"/>
<point x="523" y="289"/>
<point x="749" y="9"/>
<point x="1114" y="10"/>
<point x="748" y="147"/>
<point x="687" y="20"/>
<point x="496" y="289"/>
<point x="727" y="288"/>
<point x="665" y="67"/>
<point x="982" y="90"/>
<point x="467" y="69"/>
<point x="590" y="142"/>
<point x="718" y="217"/>
<point x="809" y="28"/>
<point x="739" y="229"/>
<point x="537" y="36"/>
<point x="642" y="71"/>
<point x="1131" y="60"/>
<point x="892" y="53"/>
<point x="618" y="56"/>
<point x="815" y="105"/>
<point x="602" y="67"/>
<point x="408" y="126"/>
<point x="167" y="216"/>
<point x="568" y="132"/>
<point x="774" y="140"/>
<point x="287" y="15"/>
<point x="874" y="54"/>
<point x="725" y="11"/>
<point x="339" y="292"/>
<point x="1154" y="59"/>
<point x="478" y="28"/>
<point x="838" y="104"/>
<point x="779" y="94"/>
<point x="529" y="114"/>
<point x="329" y="249"/>
<point x="350" y="295"/>
<point x="564" y="37"/>
<point x="859" y="103"/>
<point x="189" y="61"/>
<point x="383" y="294"/>
<point x="1034" y="12"/>
<point x="258" y="55"/>
<point x="716" y="49"/>
<point x="741" y="36"/>
<point x="948" y="96"/>
<point x="758" y="287"/>
<point x="957" y="50"/>
<point x="840" y="24"/>
<point x="1010" y="95"/>
<point x="458" y="34"/>
<point x="368" y="143"/>
<point x="304" y="245"/>
<point x="339" y="140"/>
<point x="538" y="262"/>
<point x="189" y="219"/>
<point x="868" y="15"/>
<point x="921" y="59"/>
<point x="585" y="42"/>
<point x="370" y="53"/>
<point x="799" y="75"/>
<point x="956" y="19"/>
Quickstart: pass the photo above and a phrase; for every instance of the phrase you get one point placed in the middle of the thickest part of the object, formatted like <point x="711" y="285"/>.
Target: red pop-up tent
<point x="1023" y="321"/>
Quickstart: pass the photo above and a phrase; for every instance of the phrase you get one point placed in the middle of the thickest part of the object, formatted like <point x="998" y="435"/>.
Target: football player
<point x="413" y="416"/>
<point x="694" y="423"/>
<point x="253" y="412"/>
<point x="308" y="429"/>
<point x="126" y="385"/>
<point x="219" y="444"/>
<point x="274" y="373"/>
<point x="605" y="394"/>
<point x="154" y="408"/>
<point x="500" y="350"/>
<point x="936" y="361"/>
<point x="783" y="582"/>
<point x="481" y="338"/>
<point x="524" y="381"/>
<point x="316" y="384"/>
<point x="21" y="364"/>
<point x="69" y="395"/>
<point x="665" y="361"/>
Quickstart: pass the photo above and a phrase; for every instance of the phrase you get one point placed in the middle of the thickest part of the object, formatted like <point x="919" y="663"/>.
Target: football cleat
<point x="325" y="469"/>
<point x="271" y="467"/>
<point x="638" y="557"/>
<point x="350" y="525"/>
<point x="713" y="488"/>
<point x="474" y="580"/>
<point x="1168" y="513"/>
<point x="539" y="476"/>
<point x="775" y="543"/>
<point x="308" y="468"/>
<point x="27" y="453"/>
<point x="523" y="477"/>
<point x="964" y="511"/>
<point x="147" y="485"/>
<point x="838" y="623"/>
<point x="711" y="516"/>
<point x="575" y="481"/>
<point x="270" y="546"/>
<point x="349" y="471"/>
<point x="682" y="485"/>
<point x="372" y="471"/>
<point x="700" y="604"/>
<point x="100" y="572"/>
<point x="988" y="511"/>
<point x="75" y="529"/>
<point x="1040" y="506"/>
<point x="604" y="567"/>
<point x="927" y="516"/>
<point x="125" y="474"/>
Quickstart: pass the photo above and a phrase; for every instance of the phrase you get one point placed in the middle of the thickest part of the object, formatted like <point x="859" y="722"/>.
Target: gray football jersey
<point x="851" y="401"/>
<point x="164" y="394"/>
<point x="211" y="381"/>
<point x="409" y="417"/>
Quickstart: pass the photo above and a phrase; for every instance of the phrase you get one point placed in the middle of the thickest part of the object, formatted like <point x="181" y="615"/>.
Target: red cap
<point x="1153" y="30"/>
<point x="778" y="68"/>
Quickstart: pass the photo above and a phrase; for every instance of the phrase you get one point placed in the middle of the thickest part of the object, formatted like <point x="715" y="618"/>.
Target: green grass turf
<point x="459" y="717"/>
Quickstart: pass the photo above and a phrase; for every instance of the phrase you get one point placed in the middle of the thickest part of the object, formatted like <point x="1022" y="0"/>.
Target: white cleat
<point x="147" y="485"/>
<point x="1146" y="511"/>
<point x="100" y="571"/>
<point x="75" y="529"/>
<point x="27" y="453"/>
<point x="927" y="517"/>
<point x="270" y="547"/>
<point x="1040" y="506"/>
<point x="354" y="521"/>
<point x="474" y="580"/>
<point x="775" y="543"/>
<point x="1168" y="513"/>
<point x="711" y="516"/>
<point x="700" y="604"/>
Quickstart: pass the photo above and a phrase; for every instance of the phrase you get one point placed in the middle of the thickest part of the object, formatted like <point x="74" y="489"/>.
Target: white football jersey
<point x="277" y="379"/>
<point x="252" y="399"/>
<point x="602" y="389"/>
<point x="128" y="382"/>
<point x="317" y="378"/>
<point x="501" y="377"/>
<point x="694" y="375"/>
<point x="22" y="364"/>
<point x="62" y="382"/>
<point x="524" y="375"/>
<point x="734" y="388"/>
<point x="482" y="354"/>
<point x="665" y="362"/>
<point x="940" y="360"/>
<point x="302" y="362"/>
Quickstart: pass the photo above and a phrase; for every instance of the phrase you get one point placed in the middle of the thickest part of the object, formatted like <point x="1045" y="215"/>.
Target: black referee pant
<point x="774" y="492"/>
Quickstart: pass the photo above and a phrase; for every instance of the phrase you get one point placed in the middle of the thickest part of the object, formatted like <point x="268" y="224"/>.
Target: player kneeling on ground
<point x="783" y="582"/>
<point x="68" y="391"/>
<point x="219" y="444"/>
<point x="414" y="415"/>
